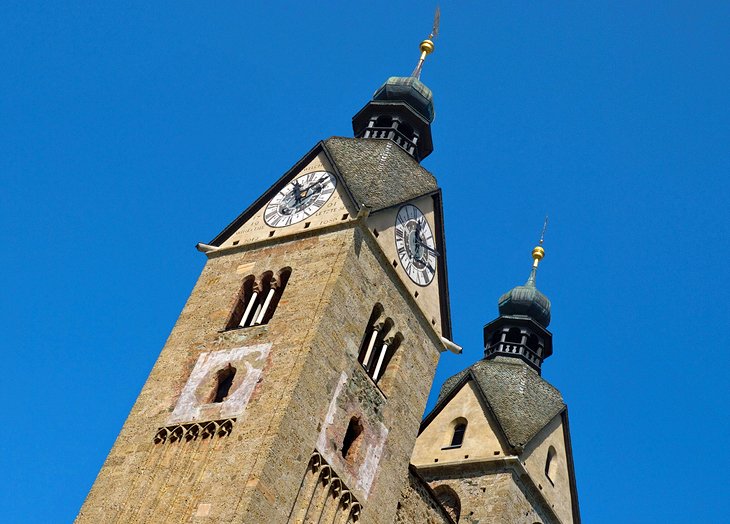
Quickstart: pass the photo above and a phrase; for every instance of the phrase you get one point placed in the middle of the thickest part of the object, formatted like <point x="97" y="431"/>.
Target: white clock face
<point x="300" y="198"/>
<point x="415" y="244"/>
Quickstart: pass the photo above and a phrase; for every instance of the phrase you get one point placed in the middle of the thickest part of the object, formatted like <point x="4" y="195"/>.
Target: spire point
<point x="427" y="46"/>
<point x="538" y="253"/>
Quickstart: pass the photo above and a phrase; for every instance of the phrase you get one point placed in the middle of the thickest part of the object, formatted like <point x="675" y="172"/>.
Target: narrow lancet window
<point x="551" y="465"/>
<point x="457" y="438"/>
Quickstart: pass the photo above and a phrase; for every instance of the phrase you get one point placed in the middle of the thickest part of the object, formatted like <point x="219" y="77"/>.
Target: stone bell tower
<point x="496" y="447"/>
<point x="292" y="385"/>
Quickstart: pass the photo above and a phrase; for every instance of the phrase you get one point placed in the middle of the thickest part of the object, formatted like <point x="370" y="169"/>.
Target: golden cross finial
<point x="427" y="45"/>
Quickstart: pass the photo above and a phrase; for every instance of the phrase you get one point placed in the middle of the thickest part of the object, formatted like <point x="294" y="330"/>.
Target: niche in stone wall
<point x="449" y="500"/>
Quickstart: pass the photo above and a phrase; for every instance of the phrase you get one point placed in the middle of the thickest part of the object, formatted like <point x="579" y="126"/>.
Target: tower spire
<point x="538" y="253"/>
<point x="427" y="46"/>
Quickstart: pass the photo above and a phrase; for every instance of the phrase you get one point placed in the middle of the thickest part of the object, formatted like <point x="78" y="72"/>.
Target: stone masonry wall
<point x="494" y="497"/>
<point x="417" y="505"/>
<point x="252" y="473"/>
<point x="331" y="376"/>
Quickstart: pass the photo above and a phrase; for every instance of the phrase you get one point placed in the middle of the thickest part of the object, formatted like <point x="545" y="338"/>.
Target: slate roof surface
<point x="378" y="173"/>
<point x="521" y="400"/>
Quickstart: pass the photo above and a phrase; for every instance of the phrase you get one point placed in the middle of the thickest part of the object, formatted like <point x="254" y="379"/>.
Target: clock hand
<point x="318" y="182"/>
<point x="297" y="192"/>
<point x="427" y="248"/>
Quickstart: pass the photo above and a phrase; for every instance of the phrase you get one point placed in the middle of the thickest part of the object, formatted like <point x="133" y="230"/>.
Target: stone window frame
<point x="378" y="346"/>
<point x="257" y="299"/>
<point x="458" y="421"/>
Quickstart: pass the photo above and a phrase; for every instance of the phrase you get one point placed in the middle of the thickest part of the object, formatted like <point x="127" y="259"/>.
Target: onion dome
<point x="401" y="110"/>
<point x="527" y="300"/>
<point x="410" y="90"/>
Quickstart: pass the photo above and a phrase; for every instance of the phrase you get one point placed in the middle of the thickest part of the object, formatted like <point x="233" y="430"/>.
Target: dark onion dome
<point x="410" y="90"/>
<point x="527" y="300"/>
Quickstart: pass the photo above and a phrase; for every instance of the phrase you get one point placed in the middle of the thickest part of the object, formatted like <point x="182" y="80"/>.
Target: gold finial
<point x="539" y="252"/>
<point x="427" y="45"/>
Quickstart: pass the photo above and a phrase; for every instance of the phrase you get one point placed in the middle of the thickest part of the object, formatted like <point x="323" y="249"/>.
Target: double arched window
<point x="379" y="344"/>
<point x="258" y="298"/>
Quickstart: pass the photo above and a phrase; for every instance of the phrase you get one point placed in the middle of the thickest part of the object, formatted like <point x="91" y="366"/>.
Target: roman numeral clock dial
<point x="300" y="198"/>
<point x="415" y="245"/>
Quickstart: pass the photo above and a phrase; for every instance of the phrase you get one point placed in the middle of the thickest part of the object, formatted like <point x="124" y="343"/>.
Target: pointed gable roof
<point x="378" y="173"/>
<point x="522" y="402"/>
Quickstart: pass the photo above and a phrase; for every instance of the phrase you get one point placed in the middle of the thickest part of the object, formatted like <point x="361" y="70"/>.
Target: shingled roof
<point x="378" y="173"/>
<point x="521" y="400"/>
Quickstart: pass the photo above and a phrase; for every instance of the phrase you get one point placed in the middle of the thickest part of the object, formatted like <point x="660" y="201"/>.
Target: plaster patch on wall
<point x="358" y="472"/>
<point x="248" y="362"/>
<point x="331" y="411"/>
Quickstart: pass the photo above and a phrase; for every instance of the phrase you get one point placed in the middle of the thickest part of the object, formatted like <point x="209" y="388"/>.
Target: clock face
<point x="415" y="244"/>
<point x="300" y="198"/>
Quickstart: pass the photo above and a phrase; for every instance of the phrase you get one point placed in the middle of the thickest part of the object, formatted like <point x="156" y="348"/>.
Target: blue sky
<point x="130" y="132"/>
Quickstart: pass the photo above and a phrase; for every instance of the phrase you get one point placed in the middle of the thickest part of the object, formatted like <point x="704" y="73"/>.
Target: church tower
<point x="496" y="447"/>
<point x="292" y="386"/>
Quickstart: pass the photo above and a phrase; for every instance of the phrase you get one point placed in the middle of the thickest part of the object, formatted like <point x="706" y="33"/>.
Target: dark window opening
<point x="551" y="465"/>
<point x="351" y="442"/>
<point x="496" y="337"/>
<point x="384" y="121"/>
<point x="458" y="438"/>
<point x="533" y="342"/>
<point x="514" y="336"/>
<point x="407" y="131"/>
<point x="224" y="381"/>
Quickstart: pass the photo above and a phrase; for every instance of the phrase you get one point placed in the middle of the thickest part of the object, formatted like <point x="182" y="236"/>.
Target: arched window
<point x="378" y="345"/>
<point x="223" y="383"/>
<point x="387" y="350"/>
<point x="407" y="131"/>
<point x="449" y="500"/>
<point x="551" y="465"/>
<point x="384" y="121"/>
<point x="533" y="342"/>
<point x="496" y="338"/>
<point x="371" y="333"/>
<point x="258" y="299"/>
<point x="514" y="336"/>
<point x="457" y="437"/>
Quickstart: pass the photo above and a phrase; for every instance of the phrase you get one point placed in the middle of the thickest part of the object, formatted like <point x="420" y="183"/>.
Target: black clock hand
<point x="297" y="192"/>
<point x="310" y="186"/>
<point x="426" y="247"/>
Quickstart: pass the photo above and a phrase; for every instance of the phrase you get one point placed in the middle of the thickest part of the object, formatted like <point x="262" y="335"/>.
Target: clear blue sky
<point x="130" y="132"/>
